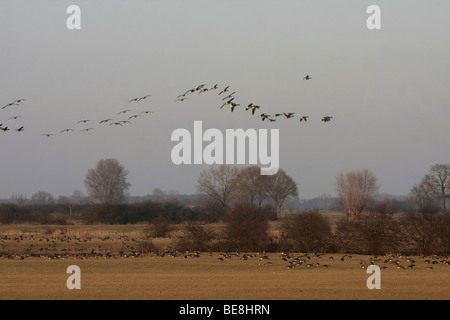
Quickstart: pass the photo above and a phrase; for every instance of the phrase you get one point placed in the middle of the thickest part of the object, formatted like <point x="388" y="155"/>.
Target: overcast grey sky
<point x="387" y="90"/>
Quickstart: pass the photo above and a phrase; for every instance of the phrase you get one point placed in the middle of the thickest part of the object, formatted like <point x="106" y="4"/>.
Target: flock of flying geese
<point x="14" y="103"/>
<point x="229" y="100"/>
<point x="109" y="121"/>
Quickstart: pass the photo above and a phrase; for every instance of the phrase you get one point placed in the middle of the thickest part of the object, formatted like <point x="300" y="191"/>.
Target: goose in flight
<point x="272" y="120"/>
<point x="202" y="90"/>
<point x="134" y="116"/>
<point x="83" y="121"/>
<point x="14" y="118"/>
<point x="288" y="115"/>
<point x="147" y="112"/>
<point x="229" y="96"/>
<point x="105" y="120"/>
<point x="264" y="116"/>
<point x="233" y="105"/>
<point x="124" y="111"/>
<point x="5" y="129"/>
<point x="253" y="107"/>
<point x="140" y="98"/>
<point x="224" y="90"/>
<point x="303" y="118"/>
<point x="10" y="104"/>
<point x="47" y="134"/>
<point x="20" y="129"/>
<point x="227" y="103"/>
<point x="214" y="87"/>
<point x="87" y="129"/>
<point x="181" y="99"/>
<point x="326" y="119"/>
<point x="307" y="77"/>
<point x="199" y="87"/>
<point x="14" y="103"/>
<point x="66" y="130"/>
<point x="116" y="123"/>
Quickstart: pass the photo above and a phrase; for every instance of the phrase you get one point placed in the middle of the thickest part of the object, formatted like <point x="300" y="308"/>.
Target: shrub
<point x="196" y="237"/>
<point x="309" y="231"/>
<point x="424" y="231"/>
<point x="372" y="233"/>
<point x="160" y="227"/>
<point x="246" y="228"/>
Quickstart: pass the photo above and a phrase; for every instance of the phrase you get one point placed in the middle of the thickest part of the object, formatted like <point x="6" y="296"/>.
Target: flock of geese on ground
<point x="227" y="99"/>
<point x="54" y="247"/>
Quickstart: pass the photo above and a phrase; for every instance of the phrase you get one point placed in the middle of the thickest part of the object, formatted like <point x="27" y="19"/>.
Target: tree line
<point x="245" y="201"/>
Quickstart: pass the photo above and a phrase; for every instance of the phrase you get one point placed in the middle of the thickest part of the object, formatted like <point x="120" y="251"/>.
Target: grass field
<point x="207" y="277"/>
<point x="180" y="276"/>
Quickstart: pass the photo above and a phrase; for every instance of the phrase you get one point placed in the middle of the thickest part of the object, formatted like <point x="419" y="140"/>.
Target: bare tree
<point x="158" y="195"/>
<point x="438" y="182"/>
<point x="42" y="197"/>
<point x="77" y="196"/>
<point x="219" y="185"/>
<point x="355" y="189"/>
<point x="107" y="182"/>
<point x="252" y="186"/>
<point x="279" y="187"/>
<point x="423" y="198"/>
